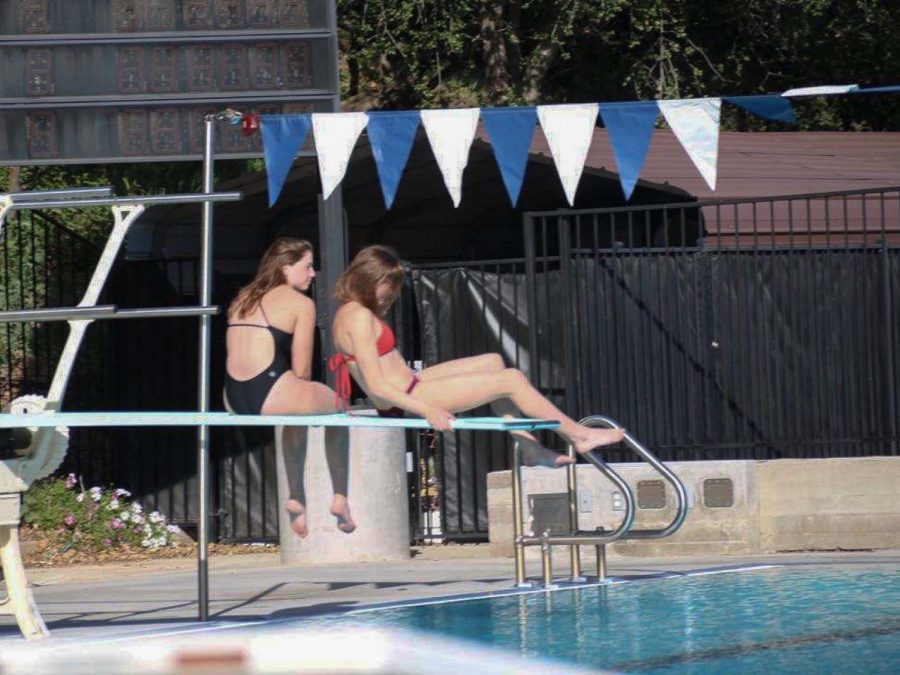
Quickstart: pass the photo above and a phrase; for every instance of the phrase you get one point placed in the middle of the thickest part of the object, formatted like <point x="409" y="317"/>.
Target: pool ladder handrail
<point x="599" y="538"/>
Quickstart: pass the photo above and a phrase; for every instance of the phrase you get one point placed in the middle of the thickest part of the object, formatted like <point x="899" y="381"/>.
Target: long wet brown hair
<point x="369" y="268"/>
<point x="283" y="251"/>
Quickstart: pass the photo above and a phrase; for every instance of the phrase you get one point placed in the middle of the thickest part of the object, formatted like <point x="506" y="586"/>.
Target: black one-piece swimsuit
<point x="246" y="397"/>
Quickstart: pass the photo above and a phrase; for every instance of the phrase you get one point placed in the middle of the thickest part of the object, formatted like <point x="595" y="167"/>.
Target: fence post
<point x="889" y="344"/>
<point x="568" y="315"/>
<point x="534" y="364"/>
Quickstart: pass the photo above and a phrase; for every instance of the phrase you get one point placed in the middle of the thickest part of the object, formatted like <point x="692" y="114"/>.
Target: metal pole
<point x="203" y="378"/>
<point x="101" y="312"/>
<point x="152" y="200"/>
<point x="601" y="562"/>
<point x="547" y="560"/>
<point x="534" y="363"/>
<point x="889" y="346"/>
<point x="572" y="486"/>
<point x="76" y="193"/>
<point x="517" y="513"/>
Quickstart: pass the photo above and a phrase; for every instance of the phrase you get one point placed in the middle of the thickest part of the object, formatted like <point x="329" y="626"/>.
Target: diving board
<point x="224" y="419"/>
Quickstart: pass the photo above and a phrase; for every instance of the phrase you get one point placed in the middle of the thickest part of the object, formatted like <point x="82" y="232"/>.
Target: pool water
<point x="795" y="618"/>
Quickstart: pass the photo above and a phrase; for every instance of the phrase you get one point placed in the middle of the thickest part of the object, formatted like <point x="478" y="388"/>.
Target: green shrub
<point x="94" y="519"/>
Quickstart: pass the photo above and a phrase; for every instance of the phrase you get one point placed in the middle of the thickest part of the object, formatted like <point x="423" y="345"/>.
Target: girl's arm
<point x="304" y="332"/>
<point x="361" y="334"/>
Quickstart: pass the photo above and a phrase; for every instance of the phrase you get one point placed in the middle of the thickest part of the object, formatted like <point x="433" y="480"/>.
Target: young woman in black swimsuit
<point x="271" y="324"/>
<point x="366" y="350"/>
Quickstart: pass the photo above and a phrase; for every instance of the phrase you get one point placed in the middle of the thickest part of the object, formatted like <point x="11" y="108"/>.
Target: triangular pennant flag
<point x="451" y="133"/>
<point x="696" y="125"/>
<point x="877" y="90"/>
<point x="283" y="136"/>
<point x="776" y="108"/>
<point x="335" y="135"/>
<point x="630" y="128"/>
<point x="569" y="130"/>
<point x="510" y="131"/>
<point x="391" y="135"/>
<point x="824" y="90"/>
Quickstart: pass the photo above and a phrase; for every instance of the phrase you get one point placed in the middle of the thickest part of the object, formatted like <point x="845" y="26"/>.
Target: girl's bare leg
<point x="293" y="448"/>
<point x="533" y="453"/>
<point x="457" y="393"/>
<point x="337" y="453"/>
<point x="293" y="396"/>
<point x="483" y="363"/>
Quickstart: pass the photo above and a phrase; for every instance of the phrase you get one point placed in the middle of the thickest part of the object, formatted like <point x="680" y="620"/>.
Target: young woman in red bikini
<point x="365" y="348"/>
<point x="270" y="345"/>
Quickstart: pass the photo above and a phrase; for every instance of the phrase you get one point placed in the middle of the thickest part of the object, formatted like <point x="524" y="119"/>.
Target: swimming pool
<point x="793" y="618"/>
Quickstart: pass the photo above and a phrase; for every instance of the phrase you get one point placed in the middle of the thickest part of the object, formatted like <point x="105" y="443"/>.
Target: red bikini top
<point x="338" y="362"/>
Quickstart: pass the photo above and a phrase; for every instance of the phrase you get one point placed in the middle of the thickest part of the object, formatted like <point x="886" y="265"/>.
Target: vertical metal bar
<point x="565" y="303"/>
<point x="888" y="323"/>
<point x="870" y="338"/>
<point x="547" y="561"/>
<point x="531" y="299"/>
<point x="665" y="262"/>
<point x="206" y="258"/>
<point x="737" y="311"/>
<point x="601" y="561"/>
<point x="548" y="321"/>
<point x="517" y="513"/>
<point x="8" y="327"/>
<point x="572" y="485"/>
<point x="24" y="325"/>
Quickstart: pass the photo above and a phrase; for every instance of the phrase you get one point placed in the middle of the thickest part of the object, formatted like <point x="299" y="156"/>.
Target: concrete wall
<point x="377" y="495"/>
<point x="780" y="505"/>
<point x="828" y="504"/>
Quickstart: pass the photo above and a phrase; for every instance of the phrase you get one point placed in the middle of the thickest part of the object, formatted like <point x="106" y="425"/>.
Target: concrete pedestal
<point x="377" y="496"/>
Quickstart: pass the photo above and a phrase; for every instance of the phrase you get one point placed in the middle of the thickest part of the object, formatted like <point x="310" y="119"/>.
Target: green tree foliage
<point x="414" y="54"/>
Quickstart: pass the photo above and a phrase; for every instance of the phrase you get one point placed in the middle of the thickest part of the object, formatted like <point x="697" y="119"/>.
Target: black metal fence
<point x="716" y="330"/>
<point x="45" y="264"/>
<point x="746" y="329"/>
<point x="131" y="365"/>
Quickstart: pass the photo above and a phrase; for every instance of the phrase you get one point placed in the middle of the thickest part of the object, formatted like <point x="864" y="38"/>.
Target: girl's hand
<point x="439" y="418"/>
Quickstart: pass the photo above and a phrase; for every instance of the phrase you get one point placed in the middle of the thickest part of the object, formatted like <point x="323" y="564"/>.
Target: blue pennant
<point x="510" y="131"/>
<point x="878" y="90"/>
<point x="283" y="136"/>
<point x="770" y="107"/>
<point x="630" y="129"/>
<point x="391" y="135"/>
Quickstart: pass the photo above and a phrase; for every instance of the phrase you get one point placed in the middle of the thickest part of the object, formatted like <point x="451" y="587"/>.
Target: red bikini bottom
<point x="399" y="412"/>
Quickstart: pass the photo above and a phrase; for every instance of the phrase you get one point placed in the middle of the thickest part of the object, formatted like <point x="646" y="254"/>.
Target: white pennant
<point x="822" y="91"/>
<point x="451" y="133"/>
<point x="569" y="130"/>
<point x="335" y="134"/>
<point x="695" y="123"/>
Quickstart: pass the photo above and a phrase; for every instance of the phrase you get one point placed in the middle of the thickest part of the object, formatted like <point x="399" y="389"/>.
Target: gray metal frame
<point x="600" y="538"/>
<point x="126" y="210"/>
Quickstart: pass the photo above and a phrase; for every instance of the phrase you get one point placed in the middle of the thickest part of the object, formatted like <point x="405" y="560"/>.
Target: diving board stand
<point x="45" y="449"/>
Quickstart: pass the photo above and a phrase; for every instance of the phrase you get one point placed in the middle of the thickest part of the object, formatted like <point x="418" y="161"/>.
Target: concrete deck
<point x="117" y="601"/>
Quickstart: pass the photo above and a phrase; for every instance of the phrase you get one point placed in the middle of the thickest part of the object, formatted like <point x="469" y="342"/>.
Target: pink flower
<point x="116" y="524"/>
<point x="71" y="481"/>
<point x="70" y="519"/>
<point x="107" y="542"/>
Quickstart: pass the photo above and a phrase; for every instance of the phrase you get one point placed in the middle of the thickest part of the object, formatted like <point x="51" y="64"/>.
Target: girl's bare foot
<point x="595" y="438"/>
<point x="340" y="509"/>
<point x="297" y="514"/>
